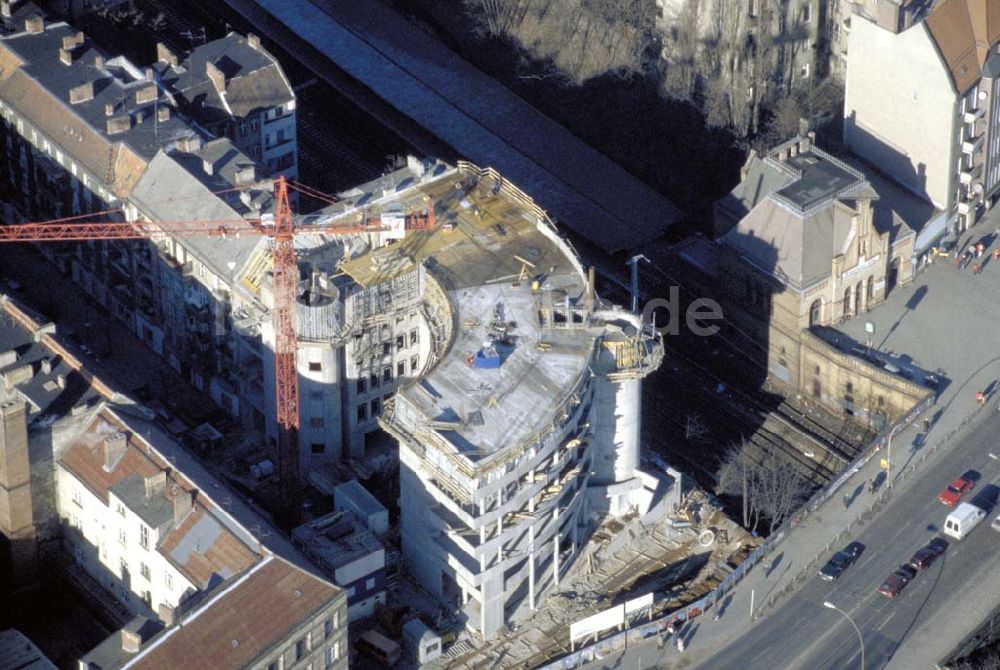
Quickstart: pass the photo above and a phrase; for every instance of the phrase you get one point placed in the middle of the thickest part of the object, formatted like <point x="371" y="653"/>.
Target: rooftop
<point x="819" y="177"/>
<point x="252" y="78"/>
<point x="17" y="652"/>
<point x="360" y="496"/>
<point x="203" y="546"/>
<point x="335" y="540"/>
<point x="64" y="84"/>
<point x="233" y="629"/>
<point x="965" y="32"/>
<point x="489" y="237"/>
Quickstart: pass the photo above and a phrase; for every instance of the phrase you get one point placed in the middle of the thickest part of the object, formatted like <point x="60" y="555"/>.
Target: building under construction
<point x="519" y="430"/>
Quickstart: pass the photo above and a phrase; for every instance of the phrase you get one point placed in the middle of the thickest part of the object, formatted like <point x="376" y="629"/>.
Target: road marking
<point x="887" y="620"/>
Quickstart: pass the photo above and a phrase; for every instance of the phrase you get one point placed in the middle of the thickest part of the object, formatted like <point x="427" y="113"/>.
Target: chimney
<point x="109" y="109"/>
<point x="165" y="55"/>
<point x="167" y="614"/>
<point x="34" y="24"/>
<point x="5" y="8"/>
<point x="17" y="376"/>
<point x="131" y="641"/>
<point x="115" y="445"/>
<point x="8" y="357"/>
<point x="246" y="174"/>
<point x="183" y="503"/>
<point x="119" y="124"/>
<point x="163" y="113"/>
<point x="70" y="42"/>
<point x="81" y="93"/>
<point x="146" y="94"/>
<point x="98" y="61"/>
<point x="66" y="56"/>
<point x="207" y="166"/>
<point x="253" y="41"/>
<point x="215" y="74"/>
<point x="156" y="485"/>
<point x="793" y="150"/>
<point x="16" y="513"/>
<point x="46" y="366"/>
<point x="61" y="381"/>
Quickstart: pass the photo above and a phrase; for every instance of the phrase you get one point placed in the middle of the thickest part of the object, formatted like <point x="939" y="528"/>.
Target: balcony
<point x="968" y="175"/>
<point x="974" y="115"/>
<point x="973" y="145"/>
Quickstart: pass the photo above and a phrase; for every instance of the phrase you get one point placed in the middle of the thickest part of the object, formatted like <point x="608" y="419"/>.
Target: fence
<point x="620" y="640"/>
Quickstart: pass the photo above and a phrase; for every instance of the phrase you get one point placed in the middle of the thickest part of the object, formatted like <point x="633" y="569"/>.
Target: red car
<point x="958" y="488"/>
<point x="897" y="581"/>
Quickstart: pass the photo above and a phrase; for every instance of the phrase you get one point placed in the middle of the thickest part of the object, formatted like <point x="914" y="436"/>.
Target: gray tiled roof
<point x="154" y="510"/>
<point x="254" y="80"/>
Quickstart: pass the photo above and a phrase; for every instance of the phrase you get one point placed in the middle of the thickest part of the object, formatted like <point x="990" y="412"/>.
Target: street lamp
<point x="861" y="640"/>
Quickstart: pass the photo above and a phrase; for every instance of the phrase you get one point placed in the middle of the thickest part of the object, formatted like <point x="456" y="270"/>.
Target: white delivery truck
<point x="961" y="522"/>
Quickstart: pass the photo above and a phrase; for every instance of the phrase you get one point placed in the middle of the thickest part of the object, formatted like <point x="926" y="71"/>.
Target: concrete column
<point x="531" y="566"/>
<point x="499" y="533"/>
<point x="555" y="544"/>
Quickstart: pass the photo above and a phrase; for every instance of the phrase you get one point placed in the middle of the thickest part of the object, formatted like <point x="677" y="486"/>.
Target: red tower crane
<point x="282" y="231"/>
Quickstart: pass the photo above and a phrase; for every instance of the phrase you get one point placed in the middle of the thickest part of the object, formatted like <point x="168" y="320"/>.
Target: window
<point x="804" y="71"/>
<point x="327" y="629"/>
<point x="333" y="653"/>
<point x="147" y="598"/>
<point x="374" y="380"/>
<point x="254" y="123"/>
<point x="362" y="386"/>
<point x="815" y="313"/>
<point x="121" y="536"/>
<point x="78" y="498"/>
<point x="400" y="368"/>
<point x="413" y="337"/>
<point x="317" y="448"/>
<point x="120" y="508"/>
<point x="273" y="665"/>
<point x="351" y="591"/>
<point x="144" y="536"/>
<point x="400" y="341"/>
<point x="806" y="13"/>
<point x="386" y="348"/>
<point x="375" y="407"/>
<point x="300" y="649"/>
<point x="369" y="584"/>
<point x="414" y="363"/>
<point x="849" y="388"/>
<point x="144" y="571"/>
<point x="168" y="580"/>
<point x="362" y="412"/>
<point x="122" y="568"/>
<point x="336" y="619"/>
<point x="387" y="375"/>
<point x="316" y="422"/>
<point x="315" y="367"/>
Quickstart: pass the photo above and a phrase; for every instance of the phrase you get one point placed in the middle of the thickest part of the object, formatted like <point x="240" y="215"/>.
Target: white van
<point x="961" y="522"/>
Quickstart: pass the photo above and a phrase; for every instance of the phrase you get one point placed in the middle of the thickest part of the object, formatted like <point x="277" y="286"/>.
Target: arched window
<point x="870" y="292"/>
<point x="815" y="312"/>
<point x="847" y="301"/>
<point x="859" y="296"/>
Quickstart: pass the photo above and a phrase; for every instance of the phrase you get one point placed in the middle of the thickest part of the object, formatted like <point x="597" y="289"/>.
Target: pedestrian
<point x="980" y="248"/>
<point x="767" y="569"/>
<point x="976" y="269"/>
<point x="981" y="397"/>
<point x="996" y="254"/>
<point x="927" y="422"/>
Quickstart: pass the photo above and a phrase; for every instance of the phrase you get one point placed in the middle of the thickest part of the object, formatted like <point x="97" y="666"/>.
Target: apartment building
<point x="144" y="523"/>
<point x="931" y="121"/>
<point x="521" y="432"/>
<point x="236" y="89"/>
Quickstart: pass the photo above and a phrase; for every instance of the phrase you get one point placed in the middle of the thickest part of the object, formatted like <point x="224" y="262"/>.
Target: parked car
<point x="960" y="523"/>
<point x="897" y="581"/>
<point x="840" y="561"/>
<point x="924" y="556"/>
<point x="954" y="492"/>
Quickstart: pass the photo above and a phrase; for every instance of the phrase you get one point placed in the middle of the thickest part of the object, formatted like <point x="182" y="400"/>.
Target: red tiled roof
<point x="258" y="612"/>
<point x="964" y="31"/>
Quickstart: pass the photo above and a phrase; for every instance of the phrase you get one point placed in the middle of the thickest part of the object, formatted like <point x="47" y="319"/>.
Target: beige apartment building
<point x="921" y="101"/>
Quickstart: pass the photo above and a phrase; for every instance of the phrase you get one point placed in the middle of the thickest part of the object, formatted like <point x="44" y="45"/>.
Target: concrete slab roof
<point x="477" y="255"/>
<point x="17" y="652"/>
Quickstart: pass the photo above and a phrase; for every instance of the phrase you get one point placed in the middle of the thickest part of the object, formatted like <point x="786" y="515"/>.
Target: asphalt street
<point x="801" y="633"/>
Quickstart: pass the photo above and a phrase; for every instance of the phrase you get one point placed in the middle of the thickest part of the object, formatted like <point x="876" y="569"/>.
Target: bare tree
<point x="770" y="488"/>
